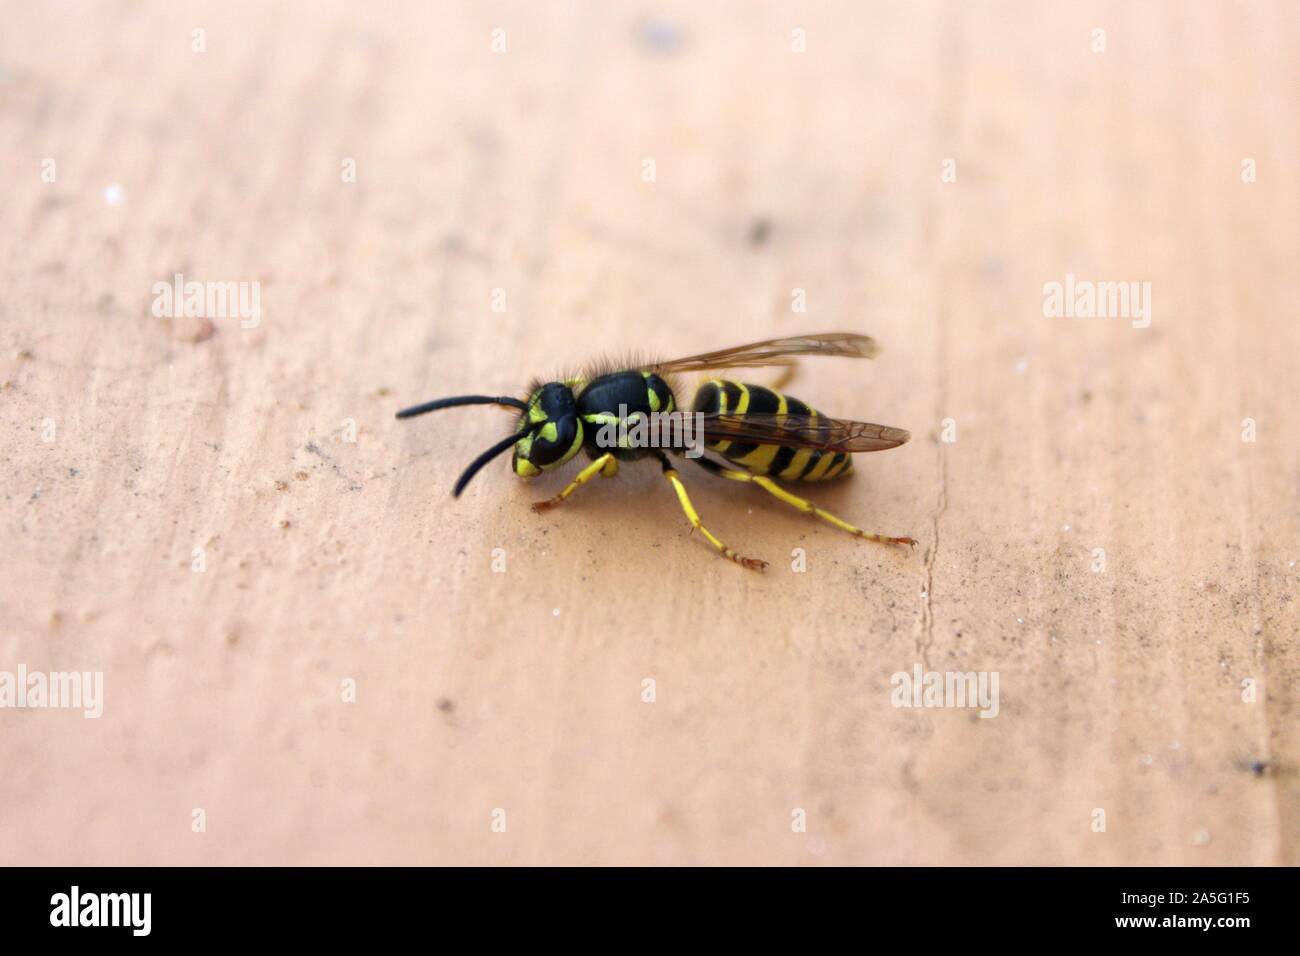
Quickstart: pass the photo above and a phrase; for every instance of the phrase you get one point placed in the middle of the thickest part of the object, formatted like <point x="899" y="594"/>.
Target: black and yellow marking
<point x="725" y="397"/>
<point x="761" y="433"/>
<point x="658" y="395"/>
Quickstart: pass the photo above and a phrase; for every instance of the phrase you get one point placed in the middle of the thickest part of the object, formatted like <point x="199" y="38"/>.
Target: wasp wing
<point x="774" y="352"/>
<point x="803" y="431"/>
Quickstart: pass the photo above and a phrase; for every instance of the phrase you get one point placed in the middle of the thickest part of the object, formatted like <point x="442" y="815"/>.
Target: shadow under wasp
<point x="763" y="431"/>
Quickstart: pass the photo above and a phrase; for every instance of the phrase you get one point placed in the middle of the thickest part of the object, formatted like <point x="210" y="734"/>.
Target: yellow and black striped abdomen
<point x="779" y="461"/>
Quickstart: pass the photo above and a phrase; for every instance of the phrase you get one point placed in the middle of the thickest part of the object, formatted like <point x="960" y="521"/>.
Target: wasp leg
<point x="606" y="465"/>
<point x="803" y="504"/>
<point x="787" y="375"/>
<point x="754" y="564"/>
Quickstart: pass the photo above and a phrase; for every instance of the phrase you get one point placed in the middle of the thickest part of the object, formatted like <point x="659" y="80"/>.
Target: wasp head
<point x="550" y="430"/>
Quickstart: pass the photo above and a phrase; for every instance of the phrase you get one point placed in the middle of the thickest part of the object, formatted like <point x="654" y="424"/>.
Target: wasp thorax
<point x="553" y="431"/>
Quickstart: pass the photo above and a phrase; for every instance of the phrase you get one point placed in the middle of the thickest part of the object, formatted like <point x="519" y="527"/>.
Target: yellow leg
<point x="754" y="564"/>
<point x="786" y="377"/>
<point x="606" y="465"/>
<point x="803" y="504"/>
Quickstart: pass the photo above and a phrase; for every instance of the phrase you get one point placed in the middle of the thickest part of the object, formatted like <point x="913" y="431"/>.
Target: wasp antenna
<point x="468" y="474"/>
<point x="462" y="400"/>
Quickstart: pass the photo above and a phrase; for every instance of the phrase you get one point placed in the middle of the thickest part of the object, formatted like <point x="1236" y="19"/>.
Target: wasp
<point x="760" y="433"/>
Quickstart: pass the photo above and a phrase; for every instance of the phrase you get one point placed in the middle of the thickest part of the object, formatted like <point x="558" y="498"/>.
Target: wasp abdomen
<point x="780" y="461"/>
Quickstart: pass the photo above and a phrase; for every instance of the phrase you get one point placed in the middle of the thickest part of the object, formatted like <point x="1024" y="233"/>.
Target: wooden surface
<point x="329" y="560"/>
